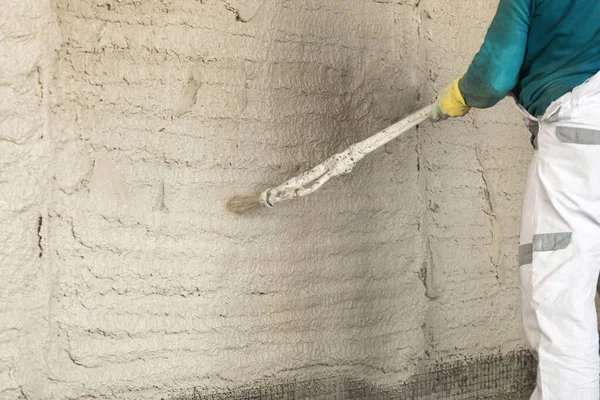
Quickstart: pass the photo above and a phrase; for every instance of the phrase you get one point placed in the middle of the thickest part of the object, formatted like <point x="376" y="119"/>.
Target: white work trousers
<point x="560" y="247"/>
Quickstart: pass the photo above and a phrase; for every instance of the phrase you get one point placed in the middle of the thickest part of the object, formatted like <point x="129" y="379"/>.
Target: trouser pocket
<point x="551" y="258"/>
<point x="572" y="157"/>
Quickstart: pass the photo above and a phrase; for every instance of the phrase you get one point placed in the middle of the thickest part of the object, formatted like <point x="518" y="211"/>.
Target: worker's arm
<point x="494" y="71"/>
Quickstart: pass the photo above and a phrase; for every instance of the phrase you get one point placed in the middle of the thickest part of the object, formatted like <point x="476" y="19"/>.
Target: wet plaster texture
<point x="126" y="125"/>
<point x="28" y="35"/>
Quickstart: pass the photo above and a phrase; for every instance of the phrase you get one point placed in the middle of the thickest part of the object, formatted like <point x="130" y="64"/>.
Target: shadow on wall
<point x="350" y="252"/>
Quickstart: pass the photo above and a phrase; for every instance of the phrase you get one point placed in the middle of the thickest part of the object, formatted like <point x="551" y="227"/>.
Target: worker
<point x="546" y="55"/>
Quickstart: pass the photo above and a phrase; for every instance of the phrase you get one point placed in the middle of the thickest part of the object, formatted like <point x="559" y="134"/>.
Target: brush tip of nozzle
<point x="243" y="204"/>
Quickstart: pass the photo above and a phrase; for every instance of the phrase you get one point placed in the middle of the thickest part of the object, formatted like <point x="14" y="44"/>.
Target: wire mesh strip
<point x="497" y="377"/>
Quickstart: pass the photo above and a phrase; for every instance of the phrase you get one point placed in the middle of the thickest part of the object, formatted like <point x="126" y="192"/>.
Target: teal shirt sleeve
<point x="494" y="71"/>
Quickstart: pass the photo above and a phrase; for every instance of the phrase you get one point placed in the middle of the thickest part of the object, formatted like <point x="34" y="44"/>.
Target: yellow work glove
<point x="450" y="104"/>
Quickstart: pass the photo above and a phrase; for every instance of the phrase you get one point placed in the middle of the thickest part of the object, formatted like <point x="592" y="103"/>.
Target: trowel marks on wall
<point x="189" y="95"/>
<point x="177" y="105"/>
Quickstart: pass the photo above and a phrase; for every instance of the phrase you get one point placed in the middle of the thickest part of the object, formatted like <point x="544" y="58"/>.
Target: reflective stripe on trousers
<point x="560" y="247"/>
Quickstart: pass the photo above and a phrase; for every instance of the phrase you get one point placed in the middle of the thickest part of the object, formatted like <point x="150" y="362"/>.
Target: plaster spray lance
<point x="338" y="164"/>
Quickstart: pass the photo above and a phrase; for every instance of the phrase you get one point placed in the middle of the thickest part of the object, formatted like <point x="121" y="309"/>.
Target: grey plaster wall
<point x="126" y="126"/>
